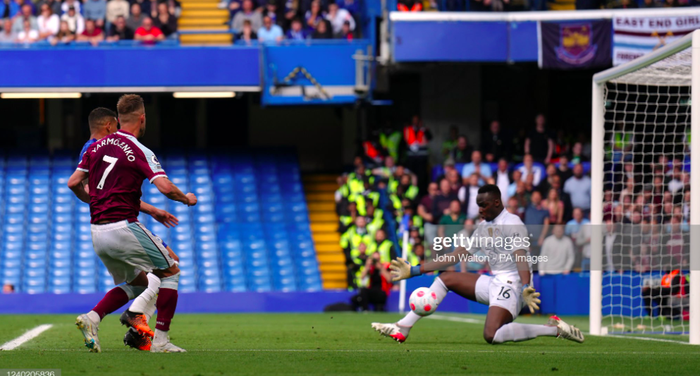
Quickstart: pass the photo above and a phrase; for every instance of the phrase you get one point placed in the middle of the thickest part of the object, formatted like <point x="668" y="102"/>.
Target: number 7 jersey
<point x="116" y="167"/>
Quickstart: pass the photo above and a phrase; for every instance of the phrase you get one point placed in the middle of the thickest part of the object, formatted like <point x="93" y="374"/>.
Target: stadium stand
<point x="249" y="232"/>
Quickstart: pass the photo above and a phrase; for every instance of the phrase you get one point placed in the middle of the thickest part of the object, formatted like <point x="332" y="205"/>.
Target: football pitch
<point x="336" y="343"/>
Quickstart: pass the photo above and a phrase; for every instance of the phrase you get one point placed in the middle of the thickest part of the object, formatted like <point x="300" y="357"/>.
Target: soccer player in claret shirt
<point x="115" y="167"/>
<point x="103" y="122"/>
<point x="506" y="292"/>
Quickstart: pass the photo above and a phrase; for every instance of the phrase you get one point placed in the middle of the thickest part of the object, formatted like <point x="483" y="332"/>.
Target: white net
<point x="646" y="207"/>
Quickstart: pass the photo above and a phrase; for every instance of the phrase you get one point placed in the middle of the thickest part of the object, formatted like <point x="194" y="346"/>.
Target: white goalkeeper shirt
<point x="498" y="239"/>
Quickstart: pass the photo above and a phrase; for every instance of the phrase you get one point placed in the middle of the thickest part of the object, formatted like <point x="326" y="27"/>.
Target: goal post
<point x="650" y="105"/>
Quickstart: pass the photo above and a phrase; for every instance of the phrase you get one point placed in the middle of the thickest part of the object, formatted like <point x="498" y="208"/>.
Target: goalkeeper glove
<point x="401" y="269"/>
<point x="531" y="298"/>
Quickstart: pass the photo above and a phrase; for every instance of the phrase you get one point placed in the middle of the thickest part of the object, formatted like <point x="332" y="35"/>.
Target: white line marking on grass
<point x="457" y="319"/>
<point x="26" y="337"/>
<point x="398" y="349"/>
<point x="646" y="339"/>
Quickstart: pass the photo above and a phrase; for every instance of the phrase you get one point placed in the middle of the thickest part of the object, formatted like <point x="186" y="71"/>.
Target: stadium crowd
<point x="537" y="5"/>
<point x="543" y="178"/>
<point x="91" y="21"/>
<point x="294" y="20"/>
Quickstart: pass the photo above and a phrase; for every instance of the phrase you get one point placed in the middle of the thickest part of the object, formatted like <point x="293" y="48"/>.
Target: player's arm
<point x="401" y="269"/>
<point x="171" y="191"/>
<point x="75" y="183"/>
<point x="162" y="216"/>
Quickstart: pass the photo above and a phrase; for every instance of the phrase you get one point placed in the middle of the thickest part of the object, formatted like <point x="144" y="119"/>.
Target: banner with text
<point x="574" y="45"/>
<point x="636" y="36"/>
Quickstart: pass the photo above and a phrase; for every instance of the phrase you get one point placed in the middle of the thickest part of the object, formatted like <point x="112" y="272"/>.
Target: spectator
<point x="247" y="34"/>
<point x="120" y="31"/>
<point x="314" y="15"/>
<point x="351" y="6"/>
<point x="416" y="137"/>
<point x="555" y="207"/>
<point x="539" y="143"/>
<point x="55" y="6"/>
<point x="514" y="207"/>
<point x="92" y="33"/>
<point x="297" y="32"/>
<point x="516" y="178"/>
<point x="576" y="155"/>
<point x="673" y="286"/>
<point x="579" y="230"/>
<point x="559" y="250"/>
<point x="350" y="242"/>
<point x="530" y="168"/>
<point x="25" y="15"/>
<point x="409" y="6"/>
<point x="463" y="152"/>
<point x="8" y="288"/>
<point x="563" y="170"/>
<point x="579" y="189"/>
<point x="478" y="167"/>
<point x="378" y="286"/>
<point x="76" y="23"/>
<point x="136" y="19"/>
<point x="338" y="17"/>
<point x="71" y="3"/>
<point x="116" y="8"/>
<point x="8" y="9"/>
<point x="441" y="202"/>
<point x="383" y="246"/>
<point x="291" y="11"/>
<point x="270" y="32"/>
<point x="546" y="184"/>
<point x="537" y="220"/>
<point x="455" y="180"/>
<point x="451" y="142"/>
<point x="271" y="11"/>
<point x="345" y="32"/>
<point x="148" y="33"/>
<point x="95" y="10"/>
<point x="7" y="36"/>
<point x="48" y="22"/>
<point x="495" y="144"/>
<point x="452" y="222"/>
<point x="247" y="13"/>
<point x="27" y="35"/>
<point x="166" y="22"/>
<point x="150" y="8"/>
<point x="425" y="207"/>
<point x="64" y="35"/>
<point x="174" y="7"/>
<point x="503" y="179"/>
<point x="467" y="196"/>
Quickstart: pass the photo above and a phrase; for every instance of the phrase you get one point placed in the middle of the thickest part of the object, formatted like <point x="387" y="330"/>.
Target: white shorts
<point x="127" y="249"/>
<point x="502" y="291"/>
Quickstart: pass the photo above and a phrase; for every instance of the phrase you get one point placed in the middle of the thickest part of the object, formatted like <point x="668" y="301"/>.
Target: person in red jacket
<point x="673" y="285"/>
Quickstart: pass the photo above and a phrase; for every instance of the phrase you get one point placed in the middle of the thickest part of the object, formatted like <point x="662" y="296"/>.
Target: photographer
<point x="377" y="290"/>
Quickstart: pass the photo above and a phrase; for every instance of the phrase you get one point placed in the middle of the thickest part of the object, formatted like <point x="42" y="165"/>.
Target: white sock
<point x="440" y="290"/>
<point x="522" y="332"/>
<point x="94" y="316"/>
<point x="141" y="302"/>
<point x="160" y="337"/>
<point x="150" y="309"/>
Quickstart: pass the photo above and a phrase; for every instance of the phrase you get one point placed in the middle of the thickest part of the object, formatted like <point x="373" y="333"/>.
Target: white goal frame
<point x="597" y="176"/>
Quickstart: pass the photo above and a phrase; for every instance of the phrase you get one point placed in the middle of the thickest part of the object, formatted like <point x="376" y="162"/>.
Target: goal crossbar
<point x="688" y="76"/>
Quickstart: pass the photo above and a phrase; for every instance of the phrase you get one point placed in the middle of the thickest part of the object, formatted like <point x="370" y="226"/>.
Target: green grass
<point x="340" y="343"/>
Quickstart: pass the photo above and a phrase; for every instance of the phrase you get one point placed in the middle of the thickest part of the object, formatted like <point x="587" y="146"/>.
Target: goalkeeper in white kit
<point x="506" y="292"/>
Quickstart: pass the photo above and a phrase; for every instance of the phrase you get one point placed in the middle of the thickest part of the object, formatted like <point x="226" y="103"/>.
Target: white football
<point x="423" y="301"/>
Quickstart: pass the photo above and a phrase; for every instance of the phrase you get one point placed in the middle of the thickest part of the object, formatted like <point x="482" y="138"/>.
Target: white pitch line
<point x="456" y="319"/>
<point x="399" y="349"/>
<point x="26" y="337"/>
<point x="474" y="321"/>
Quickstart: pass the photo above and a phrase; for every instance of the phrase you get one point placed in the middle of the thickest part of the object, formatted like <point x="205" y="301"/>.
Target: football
<point x="423" y="301"/>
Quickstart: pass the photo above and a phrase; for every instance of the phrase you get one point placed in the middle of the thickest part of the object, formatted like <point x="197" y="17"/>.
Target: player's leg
<point x="504" y="305"/>
<point x="166" y="304"/>
<point x="464" y="284"/>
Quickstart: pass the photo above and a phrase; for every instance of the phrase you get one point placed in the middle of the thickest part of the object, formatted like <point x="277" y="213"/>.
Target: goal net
<point x="643" y="242"/>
